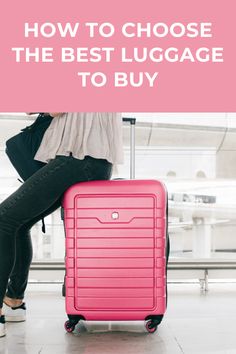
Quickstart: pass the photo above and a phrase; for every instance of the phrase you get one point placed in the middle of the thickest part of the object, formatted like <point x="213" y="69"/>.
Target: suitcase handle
<point x="132" y="122"/>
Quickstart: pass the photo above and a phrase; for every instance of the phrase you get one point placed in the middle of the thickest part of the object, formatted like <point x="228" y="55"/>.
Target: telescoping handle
<point x="132" y="122"/>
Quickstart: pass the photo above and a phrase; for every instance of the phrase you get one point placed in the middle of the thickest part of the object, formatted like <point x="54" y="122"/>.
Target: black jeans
<point x="38" y="197"/>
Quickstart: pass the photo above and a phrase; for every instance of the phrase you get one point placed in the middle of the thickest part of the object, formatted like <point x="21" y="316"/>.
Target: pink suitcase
<point x="116" y="251"/>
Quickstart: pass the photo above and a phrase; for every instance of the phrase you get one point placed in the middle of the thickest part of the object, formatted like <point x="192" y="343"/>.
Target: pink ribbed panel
<point x="115" y="249"/>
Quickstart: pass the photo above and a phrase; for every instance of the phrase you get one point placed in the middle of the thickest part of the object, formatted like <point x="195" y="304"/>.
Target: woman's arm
<point x="56" y="114"/>
<point x="53" y="114"/>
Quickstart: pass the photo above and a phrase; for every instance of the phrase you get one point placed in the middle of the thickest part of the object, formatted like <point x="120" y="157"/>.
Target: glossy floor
<point x="194" y="323"/>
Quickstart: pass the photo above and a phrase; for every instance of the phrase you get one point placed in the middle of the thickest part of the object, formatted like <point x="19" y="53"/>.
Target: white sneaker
<point x="2" y="326"/>
<point x="14" y="314"/>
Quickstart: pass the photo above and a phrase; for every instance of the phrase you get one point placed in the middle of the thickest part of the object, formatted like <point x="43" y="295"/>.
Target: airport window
<point x="202" y="203"/>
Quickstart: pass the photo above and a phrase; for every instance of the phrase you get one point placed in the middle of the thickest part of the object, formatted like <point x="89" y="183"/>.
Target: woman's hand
<point x="55" y="114"/>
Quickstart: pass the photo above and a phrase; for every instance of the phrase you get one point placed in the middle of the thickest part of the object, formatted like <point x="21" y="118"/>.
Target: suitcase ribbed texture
<point x="115" y="249"/>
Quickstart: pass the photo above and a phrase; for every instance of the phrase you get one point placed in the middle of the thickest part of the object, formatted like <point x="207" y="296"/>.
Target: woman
<point x="76" y="147"/>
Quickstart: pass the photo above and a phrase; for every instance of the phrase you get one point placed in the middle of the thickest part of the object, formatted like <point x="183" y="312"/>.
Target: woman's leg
<point x="35" y="196"/>
<point x="19" y="275"/>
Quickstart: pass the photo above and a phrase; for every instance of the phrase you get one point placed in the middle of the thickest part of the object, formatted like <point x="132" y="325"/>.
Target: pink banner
<point x="101" y="55"/>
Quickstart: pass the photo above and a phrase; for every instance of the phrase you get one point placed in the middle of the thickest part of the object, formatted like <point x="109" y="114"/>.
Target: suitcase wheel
<point x="69" y="326"/>
<point x="151" y="326"/>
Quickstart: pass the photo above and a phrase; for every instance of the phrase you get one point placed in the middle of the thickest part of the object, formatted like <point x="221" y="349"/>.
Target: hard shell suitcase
<point x="116" y="250"/>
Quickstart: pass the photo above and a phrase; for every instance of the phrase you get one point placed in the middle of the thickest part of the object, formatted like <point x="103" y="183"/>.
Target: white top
<point x="95" y="134"/>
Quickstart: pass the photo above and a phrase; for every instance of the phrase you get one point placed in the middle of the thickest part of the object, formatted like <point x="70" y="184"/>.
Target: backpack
<point x="21" y="148"/>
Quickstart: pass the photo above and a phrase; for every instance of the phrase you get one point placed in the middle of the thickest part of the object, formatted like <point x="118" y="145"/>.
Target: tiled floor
<point x="195" y="323"/>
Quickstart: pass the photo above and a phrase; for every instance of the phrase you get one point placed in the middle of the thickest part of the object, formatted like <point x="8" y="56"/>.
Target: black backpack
<point x="21" y="148"/>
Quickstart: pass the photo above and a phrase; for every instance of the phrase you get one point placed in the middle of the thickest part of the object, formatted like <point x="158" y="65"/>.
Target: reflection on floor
<point x="194" y="323"/>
